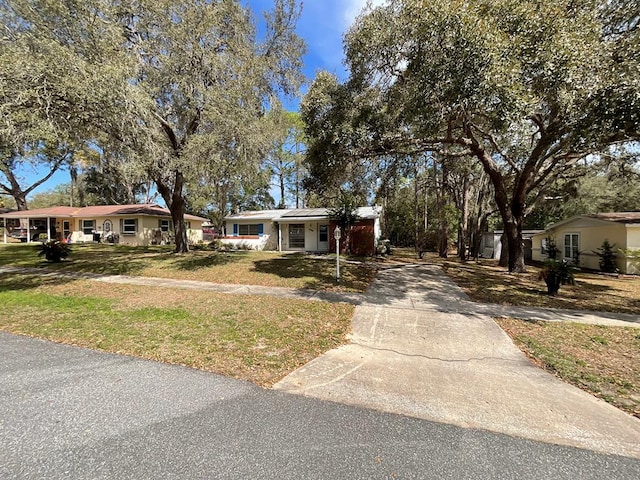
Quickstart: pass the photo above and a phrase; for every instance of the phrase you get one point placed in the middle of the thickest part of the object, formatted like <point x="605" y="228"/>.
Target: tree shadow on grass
<point x="198" y="260"/>
<point x="298" y="266"/>
<point x="10" y="282"/>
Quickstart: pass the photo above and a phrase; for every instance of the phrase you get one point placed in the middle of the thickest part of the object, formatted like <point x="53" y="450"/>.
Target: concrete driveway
<point x="411" y="353"/>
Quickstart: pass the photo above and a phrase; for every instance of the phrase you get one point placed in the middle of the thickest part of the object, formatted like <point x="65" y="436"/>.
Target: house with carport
<point x="581" y="236"/>
<point x="301" y="230"/>
<point x="145" y="224"/>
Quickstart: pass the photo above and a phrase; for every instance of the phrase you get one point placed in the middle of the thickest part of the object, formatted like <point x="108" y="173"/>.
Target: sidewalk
<point x="416" y="350"/>
<point x="431" y="296"/>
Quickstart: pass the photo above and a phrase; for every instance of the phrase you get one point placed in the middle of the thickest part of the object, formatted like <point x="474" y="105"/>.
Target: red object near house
<point x="361" y="238"/>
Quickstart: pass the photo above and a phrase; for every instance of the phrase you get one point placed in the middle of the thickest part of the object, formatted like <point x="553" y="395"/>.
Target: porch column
<point x="4" y="230"/>
<point x="49" y="229"/>
<point x="279" y="236"/>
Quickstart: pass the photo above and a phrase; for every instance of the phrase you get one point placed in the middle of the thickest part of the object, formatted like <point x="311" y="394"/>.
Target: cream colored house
<point x="583" y="235"/>
<point x="146" y="224"/>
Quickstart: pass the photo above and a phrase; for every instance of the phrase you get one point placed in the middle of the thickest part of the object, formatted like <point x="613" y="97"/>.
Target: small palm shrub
<point x="556" y="273"/>
<point x="54" y="250"/>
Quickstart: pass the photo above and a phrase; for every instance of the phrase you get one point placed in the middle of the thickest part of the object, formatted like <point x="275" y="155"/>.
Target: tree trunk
<point x="180" y="230"/>
<point x="504" y="251"/>
<point x="513" y="232"/>
<point x="463" y="221"/>
<point x="512" y="211"/>
<point x="281" y="182"/>
<point x="175" y="202"/>
<point x="177" y="215"/>
<point x="21" y="200"/>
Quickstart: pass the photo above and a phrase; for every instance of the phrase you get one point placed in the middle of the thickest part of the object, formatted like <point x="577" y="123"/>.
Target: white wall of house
<point x="268" y="240"/>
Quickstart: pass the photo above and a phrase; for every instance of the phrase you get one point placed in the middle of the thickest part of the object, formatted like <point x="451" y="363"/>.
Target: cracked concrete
<point x="411" y="352"/>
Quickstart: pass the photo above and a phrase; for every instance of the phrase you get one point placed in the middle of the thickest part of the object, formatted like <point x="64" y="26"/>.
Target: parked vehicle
<point x="34" y="233"/>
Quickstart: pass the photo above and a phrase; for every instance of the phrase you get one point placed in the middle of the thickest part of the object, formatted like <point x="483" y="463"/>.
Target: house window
<point x="165" y="225"/>
<point x="248" y="230"/>
<point x="129" y="226"/>
<point x="571" y="245"/>
<point x="323" y="235"/>
<point x="544" y="245"/>
<point x="88" y="226"/>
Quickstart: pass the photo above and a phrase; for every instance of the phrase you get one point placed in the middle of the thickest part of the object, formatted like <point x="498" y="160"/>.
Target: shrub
<point x="551" y="248"/>
<point x="54" y="250"/>
<point x="556" y="273"/>
<point x="607" y="257"/>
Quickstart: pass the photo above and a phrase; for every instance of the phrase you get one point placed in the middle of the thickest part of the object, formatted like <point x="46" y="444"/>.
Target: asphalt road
<point x="71" y="413"/>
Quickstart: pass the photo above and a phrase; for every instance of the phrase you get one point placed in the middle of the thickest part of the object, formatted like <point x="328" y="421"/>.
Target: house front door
<point x="323" y="238"/>
<point x="296" y="236"/>
<point x="66" y="229"/>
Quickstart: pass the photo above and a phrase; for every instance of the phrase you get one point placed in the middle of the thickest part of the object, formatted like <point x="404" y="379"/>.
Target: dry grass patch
<point x="486" y="282"/>
<point x="604" y="361"/>
<point x="271" y="269"/>
<point x="260" y="339"/>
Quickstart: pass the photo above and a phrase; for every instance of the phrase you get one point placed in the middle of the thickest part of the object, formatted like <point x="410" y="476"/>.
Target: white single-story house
<point x="145" y="224"/>
<point x="581" y="236"/>
<point x="302" y="229"/>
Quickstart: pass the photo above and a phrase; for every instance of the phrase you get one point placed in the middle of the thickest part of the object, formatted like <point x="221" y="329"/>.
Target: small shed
<point x="492" y="245"/>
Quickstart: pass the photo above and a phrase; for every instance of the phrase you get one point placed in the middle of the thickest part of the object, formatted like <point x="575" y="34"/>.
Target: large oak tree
<point x="526" y="88"/>
<point x="184" y="83"/>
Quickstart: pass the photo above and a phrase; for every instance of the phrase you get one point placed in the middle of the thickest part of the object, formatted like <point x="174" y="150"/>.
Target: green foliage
<point x="552" y="248"/>
<point x="181" y="87"/>
<point x="556" y="273"/>
<point x="345" y="215"/>
<point x="54" y="250"/>
<point x="608" y="257"/>
<point x="526" y="88"/>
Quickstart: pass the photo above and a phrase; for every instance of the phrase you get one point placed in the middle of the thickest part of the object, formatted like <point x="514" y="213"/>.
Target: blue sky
<point x="322" y="26"/>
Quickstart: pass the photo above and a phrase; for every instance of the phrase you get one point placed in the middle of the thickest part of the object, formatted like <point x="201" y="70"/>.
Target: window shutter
<point x="235" y="229"/>
<point x="121" y="225"/>
<point x="260" y="229"/>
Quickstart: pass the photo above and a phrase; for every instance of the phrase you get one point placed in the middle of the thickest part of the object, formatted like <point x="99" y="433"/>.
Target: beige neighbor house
<point x="146" y="224"/>
<point x="300" y="230"/>
<point x="583" y="235"/>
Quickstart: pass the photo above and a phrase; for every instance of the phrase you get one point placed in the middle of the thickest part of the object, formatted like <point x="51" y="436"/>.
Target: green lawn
<point x="260" y="339"/>
<point x="238" y="267"/>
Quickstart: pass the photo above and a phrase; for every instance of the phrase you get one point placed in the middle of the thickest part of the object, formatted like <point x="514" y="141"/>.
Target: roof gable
<point x="598" y="218"/>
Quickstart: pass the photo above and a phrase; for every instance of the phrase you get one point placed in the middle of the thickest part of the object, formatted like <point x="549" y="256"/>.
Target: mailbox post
<point x="337" y="234"/>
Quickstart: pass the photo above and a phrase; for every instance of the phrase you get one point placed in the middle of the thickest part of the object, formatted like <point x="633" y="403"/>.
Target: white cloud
<point x="353" y="9"/>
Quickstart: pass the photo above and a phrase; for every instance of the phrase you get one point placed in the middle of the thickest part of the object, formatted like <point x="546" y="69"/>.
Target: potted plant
<point x="556" y="273"/>
<point x="54" y="250"/>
